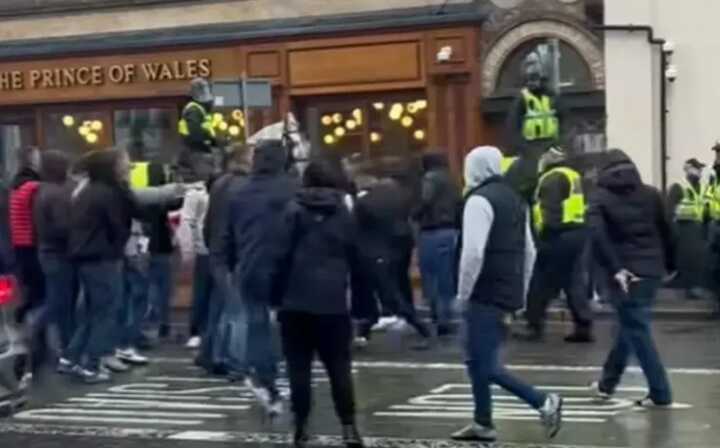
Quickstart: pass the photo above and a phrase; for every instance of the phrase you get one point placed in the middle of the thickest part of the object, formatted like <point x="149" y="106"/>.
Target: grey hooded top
<point x="481" y="164"/>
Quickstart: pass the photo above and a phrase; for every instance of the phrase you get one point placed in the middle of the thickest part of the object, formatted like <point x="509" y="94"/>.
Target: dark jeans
<point x="135" y="302"/>
<point x="160" y="288"/>
<point x="401" y="260"/>
<point x="485" y="332"/>
<point x="210" y="356"/>
<point x="202" y="290"/>
<point x="692" y="255"/>
<point x="437" y="250"/>
<point x="562" y="265"/>
<point x="378" y="273"/>
<point x="634" y="312"/>
<point x="304" y="335"/>
<point x="102" y="286"/>
<point x="61" y="296"/>
<point x="31" y="279"/>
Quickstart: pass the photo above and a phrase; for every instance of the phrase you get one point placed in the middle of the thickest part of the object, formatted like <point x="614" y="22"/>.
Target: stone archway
<point x="584" y="42"/>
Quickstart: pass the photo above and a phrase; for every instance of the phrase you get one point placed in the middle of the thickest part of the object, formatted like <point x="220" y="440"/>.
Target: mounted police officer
<point x="562" y="240"/>
<point x="197" y="129"/>
<point x="534" y="124"/>
<point x="687" y="201"/>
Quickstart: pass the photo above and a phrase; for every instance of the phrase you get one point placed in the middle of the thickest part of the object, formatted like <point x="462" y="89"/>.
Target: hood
<point x="482" y="164"/>
<point x="320" y="200"/>
<point x="434" y="161"/>
<point x="619" y="172"/>
<point x="100" y="166"/>
<point x="26" y="174"/>
<point x="55" y="166"/>
<point x="270" y="157"/>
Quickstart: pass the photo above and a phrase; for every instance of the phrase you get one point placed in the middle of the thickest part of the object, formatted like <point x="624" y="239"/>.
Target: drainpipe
<point x="652" y="40"/>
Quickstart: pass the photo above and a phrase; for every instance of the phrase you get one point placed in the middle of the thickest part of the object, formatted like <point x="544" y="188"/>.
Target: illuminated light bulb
<point x="337" y="118"/>
<point x="421" y="104"/>
<point x="91" y="138"/>
<point x="329" y="139"/>
<point x="234" y="130"/>
<point x="237" y="115"/>
<point x="375" y="137"/>
<point x="68" y="121"/>
<point x="87" y="123"/>
<point x="357" y="115"/>
<point x="351" y="124"/>
<point x="419" y="134"/>
<point x="223" y="126"/>
<point x="217" y="116"/>
<point x="83" y="130"/>
<point x="379" y="106"/>
<point x="407" y="121"/>
<point x="396" y="111"/>
<point x="412" y="108"/>
<point x="326" y="120"/>
<point x="96" y="126"/>
<point x="340" y="131"/>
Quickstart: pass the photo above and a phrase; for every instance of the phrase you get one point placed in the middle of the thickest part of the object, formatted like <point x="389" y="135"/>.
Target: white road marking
<point x="466" y="386"/>
<point x="149" y="404"/>
<point x="135" y="413"/>
<point x="117" y="420"/>
<point x="460" y="366"/>
<point x="152" y="388"/>
<point x="469" y="415"/>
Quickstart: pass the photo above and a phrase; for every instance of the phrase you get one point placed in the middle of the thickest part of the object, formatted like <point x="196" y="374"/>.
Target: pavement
<point x="405" y="399"/>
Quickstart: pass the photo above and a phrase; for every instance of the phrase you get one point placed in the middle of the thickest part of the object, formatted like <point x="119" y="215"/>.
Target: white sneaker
<point x="193" y="343"/>
<point x="131" y="356"/>
<point x="262" y="395"/>
<point x="114" y="364"/>
<point x="598" y="393"/>
<point x="398" y="325"/>
<point x="360" y="342"/>
<point x="384" y="322"/>
<point x="551" y="415"/>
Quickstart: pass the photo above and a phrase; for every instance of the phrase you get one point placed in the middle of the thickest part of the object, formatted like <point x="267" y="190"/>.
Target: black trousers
<point x="328" y="336"/>
<point x="32" y="281"/>
<point x="380" y="279"/>
<point x="401" y="260"/>
<point x="562" y="265"/>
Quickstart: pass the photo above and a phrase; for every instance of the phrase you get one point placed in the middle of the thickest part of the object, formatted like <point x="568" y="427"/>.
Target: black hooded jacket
<point x="101" y="212"/>
<point x="52" y="203"/>
<point x="629" y="225"/>
<point x="321" y="250"/>
<point x="256" y="214"/>
<point x="441" y="201"/>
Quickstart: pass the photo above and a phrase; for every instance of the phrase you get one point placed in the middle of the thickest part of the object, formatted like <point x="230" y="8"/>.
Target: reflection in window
<point x="16" y="131"/>
<point x="77" y="133"/>
<point x="147" y="134"/>
<point x="574" y="71"/>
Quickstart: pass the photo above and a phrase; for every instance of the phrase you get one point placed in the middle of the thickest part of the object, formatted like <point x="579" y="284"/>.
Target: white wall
<point x="633" y="92"/>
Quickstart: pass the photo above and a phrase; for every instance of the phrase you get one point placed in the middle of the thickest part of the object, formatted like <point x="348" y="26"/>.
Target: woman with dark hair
<point x="53" y="230"/>
<point x="321" y="250"/>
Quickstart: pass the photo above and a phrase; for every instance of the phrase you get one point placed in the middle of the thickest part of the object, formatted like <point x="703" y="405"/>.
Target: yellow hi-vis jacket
<point x="573" y="208"/>
<point x="541" y="121"/>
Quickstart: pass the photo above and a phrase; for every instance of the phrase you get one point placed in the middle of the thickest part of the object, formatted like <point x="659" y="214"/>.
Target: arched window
<point x="575" y="74"/>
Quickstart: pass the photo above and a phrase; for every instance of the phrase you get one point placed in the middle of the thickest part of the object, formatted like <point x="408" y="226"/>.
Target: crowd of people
<point x="327" y="257"/>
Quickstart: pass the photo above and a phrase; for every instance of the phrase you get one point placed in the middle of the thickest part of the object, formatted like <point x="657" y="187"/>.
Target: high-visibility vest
<point x="712" y="199"/>
<point x="692" y="205"/>
<point x="506" y="163"/>
<point x="140" y="175"/>
<point x="573" y="206"/>
<point x="207" y="124"/>
<point x="541" y="121"/>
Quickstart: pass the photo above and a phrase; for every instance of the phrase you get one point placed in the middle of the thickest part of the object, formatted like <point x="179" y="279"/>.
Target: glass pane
<point x="77" y="132"/>
<point x="16" y="131"/>
<point x="148" y="134"/>
<point x="398" y="128"/>
<point x="342" y="129"/>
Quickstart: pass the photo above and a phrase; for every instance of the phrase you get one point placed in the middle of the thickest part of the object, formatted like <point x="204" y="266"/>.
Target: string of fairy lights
<point x="230" y="126"/>
<point x="337" y="126"/>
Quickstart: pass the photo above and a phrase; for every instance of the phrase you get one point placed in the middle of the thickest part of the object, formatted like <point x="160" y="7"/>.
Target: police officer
<point x="562" y="240"/>
<point x="688" y="201"/>
<point x="713" y="202"/>
<point x="534" y="125"/>
<point x="197" y="129"/>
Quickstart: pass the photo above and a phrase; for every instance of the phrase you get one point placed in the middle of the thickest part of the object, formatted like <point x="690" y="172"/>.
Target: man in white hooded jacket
<point x="496" y="265"/>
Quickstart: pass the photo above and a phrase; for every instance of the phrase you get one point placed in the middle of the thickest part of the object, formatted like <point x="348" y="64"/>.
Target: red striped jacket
<point x="22" y="227"/>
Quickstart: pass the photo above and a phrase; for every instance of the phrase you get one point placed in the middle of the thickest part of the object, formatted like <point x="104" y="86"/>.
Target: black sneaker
<point x="649" y="403"/>
<point x="580" y="337"/>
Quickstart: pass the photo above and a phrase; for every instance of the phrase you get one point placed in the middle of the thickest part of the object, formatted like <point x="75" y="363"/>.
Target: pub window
<point x="372" y="127"/>
<point x="16" y="131"/>
<point x="76" y="132"/>
<point x="147" y="133"/>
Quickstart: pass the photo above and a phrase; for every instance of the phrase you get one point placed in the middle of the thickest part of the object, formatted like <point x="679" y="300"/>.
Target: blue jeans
<point x="202" y="291"/>
<point x="212" y="345"/>
<point x="61" y="296"/>
<point x="135" y="302"/>
<point x="634" y="311"/>
<point x="484" y="335"/>
<point x="102" y="285"/>
<point x="437" y="250"/>
<point x="160" y="288"/>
